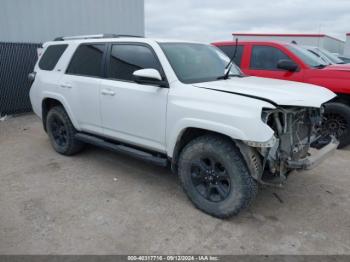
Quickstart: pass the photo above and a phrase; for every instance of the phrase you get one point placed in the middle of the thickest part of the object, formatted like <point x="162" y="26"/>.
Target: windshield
<point x="345" y="59"/>
<point x="323" y="60"/>
<point x="330" y="56"/>
<point x="307" y="57"/>
<point x="194" y="63"/>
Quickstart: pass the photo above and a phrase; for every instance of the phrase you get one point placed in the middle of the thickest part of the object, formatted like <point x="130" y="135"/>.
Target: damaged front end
<point x="293" y="146"/>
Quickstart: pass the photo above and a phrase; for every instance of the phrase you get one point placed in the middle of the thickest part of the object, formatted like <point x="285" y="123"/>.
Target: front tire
<point x="215" y="177"/>
<point x="337" y="122"/>
<point x="62" y="132"/>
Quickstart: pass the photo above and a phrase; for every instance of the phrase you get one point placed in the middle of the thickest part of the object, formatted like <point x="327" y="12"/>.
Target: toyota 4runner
<point x="181" y="104"/>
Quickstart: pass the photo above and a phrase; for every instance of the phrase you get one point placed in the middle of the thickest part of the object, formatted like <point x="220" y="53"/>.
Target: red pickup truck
<point x="291" y="62"/>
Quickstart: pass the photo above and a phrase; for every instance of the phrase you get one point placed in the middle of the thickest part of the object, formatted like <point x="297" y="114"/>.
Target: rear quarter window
<point x="51" y="56"/>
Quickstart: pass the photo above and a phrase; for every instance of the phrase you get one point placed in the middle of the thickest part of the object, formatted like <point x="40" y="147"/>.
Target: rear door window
<point x="87" y="60"/>
<point x="230" y="50"/>
<point x="266" y="58"/>
<point x="51" y="56"/>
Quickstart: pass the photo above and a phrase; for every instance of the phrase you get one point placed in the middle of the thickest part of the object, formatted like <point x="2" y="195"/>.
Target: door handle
<point x="66" y="86"/>
<point x="107" y="92"/>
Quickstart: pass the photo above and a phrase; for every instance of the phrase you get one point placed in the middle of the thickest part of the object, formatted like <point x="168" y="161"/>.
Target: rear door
<point x="132" y="112"/>
<point x="80" y="85"/>
<point x="263" y="59"/>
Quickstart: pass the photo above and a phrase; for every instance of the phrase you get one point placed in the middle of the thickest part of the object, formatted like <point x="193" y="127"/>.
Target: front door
<point x="263" y="62"/>
<point x="132" y="112"/>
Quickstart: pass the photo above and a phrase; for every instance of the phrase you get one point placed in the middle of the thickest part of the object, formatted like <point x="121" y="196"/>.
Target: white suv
<point x="182" y="104"/>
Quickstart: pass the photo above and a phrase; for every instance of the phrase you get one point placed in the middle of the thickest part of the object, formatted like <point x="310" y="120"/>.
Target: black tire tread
<point x="232" y="153"/>
<point x="74" y="145"/>
<point x="345" y="111"/>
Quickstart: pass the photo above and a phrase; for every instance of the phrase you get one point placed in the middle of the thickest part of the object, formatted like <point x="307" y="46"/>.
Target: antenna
<point x="318" y="40"/>
<point x="319" y="32"/>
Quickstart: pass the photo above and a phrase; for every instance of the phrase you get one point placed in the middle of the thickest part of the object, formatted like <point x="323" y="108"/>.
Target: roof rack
<point x="79" y="37"/>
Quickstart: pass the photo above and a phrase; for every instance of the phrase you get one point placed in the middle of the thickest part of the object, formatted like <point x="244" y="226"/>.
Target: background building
<point x="347" y="45"/>
<point x="24" y="25"/>
<point x="330" y="43"/>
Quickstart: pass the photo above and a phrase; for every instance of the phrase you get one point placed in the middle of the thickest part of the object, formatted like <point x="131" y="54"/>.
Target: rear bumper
<point x="316" y="158"/>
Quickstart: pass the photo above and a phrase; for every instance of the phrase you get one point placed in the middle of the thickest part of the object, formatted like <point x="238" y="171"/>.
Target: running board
<point x="120" y="148"/>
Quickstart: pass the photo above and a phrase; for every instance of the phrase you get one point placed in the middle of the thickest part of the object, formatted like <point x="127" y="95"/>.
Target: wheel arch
<point x="187" y="135"/>
<point x="251" y="157"/>
<point x="342" y="99"/>
<point x="51" y="100"/>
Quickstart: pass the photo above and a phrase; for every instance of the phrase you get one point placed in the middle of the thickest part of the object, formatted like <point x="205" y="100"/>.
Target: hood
<point x="278" y="92"/>
<point x="338" y="67"/>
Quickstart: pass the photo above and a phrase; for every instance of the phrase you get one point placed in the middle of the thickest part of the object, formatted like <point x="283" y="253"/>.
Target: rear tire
<point x="337" y="122"/>
<point x="215" y="177"/>
<point x="62" y="132"/>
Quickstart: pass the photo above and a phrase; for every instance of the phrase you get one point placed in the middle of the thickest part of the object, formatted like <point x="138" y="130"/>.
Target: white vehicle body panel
<point x="134" y="113"/>
<point x="80" y="91"/>
<point x="281" y="92"/>
<point x="154" y="117"/>
<point x="81" y="94"/>
<point x="236" y="116"/>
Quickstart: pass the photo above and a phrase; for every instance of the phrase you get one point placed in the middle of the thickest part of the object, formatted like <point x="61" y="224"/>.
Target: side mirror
<point x="148" y="73"/>
<point x="287" y="64"/>
<point x="149" y="76"/>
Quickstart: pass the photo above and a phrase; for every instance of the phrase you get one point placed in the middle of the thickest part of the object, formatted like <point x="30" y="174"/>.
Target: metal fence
<point x="17" y="60"/>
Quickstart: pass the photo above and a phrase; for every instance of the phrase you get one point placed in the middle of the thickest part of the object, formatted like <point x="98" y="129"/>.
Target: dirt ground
<point x="99" y="202"/>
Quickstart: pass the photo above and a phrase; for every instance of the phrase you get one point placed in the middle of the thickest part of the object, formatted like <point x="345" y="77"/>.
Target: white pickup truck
<point x="181" y="104"/>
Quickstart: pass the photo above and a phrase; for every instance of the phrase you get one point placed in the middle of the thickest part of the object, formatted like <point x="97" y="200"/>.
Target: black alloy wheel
<point x="210" y="179"/>
<point x="62" y="132"/>
<point x="59" y="131"/>
<point x="335" y="124"/>
<point x="215" y="176"/>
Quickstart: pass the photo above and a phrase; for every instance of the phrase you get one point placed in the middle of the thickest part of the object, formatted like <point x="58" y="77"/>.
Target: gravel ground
<point x="100" y="202"/>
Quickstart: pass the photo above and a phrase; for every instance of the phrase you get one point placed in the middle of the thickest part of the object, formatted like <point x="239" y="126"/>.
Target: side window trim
<point x="108" y="57"/>
<point x="264" y="69"/>
<point x="102" y="71"/>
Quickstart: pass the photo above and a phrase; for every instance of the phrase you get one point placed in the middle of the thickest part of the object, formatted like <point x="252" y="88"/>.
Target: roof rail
<point x="77" y="37"/>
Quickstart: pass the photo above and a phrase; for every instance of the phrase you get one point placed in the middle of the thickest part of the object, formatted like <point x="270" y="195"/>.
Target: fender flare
<point x="177" y="132"/>
<point x="65" y="105"/>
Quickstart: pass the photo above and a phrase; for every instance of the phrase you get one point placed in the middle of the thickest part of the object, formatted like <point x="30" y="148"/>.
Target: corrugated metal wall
<point x="37" y="21"/>
<point x="17" y="60"/>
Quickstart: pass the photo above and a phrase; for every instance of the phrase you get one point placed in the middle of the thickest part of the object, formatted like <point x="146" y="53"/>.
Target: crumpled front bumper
<point x="315" y="158"/>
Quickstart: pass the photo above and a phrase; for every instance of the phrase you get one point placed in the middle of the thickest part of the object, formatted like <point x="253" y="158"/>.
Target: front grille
<point x="301" y="135"/>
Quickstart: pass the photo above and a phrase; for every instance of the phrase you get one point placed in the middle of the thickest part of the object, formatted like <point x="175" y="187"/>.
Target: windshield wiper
<point x="320" y="66"/>
<point x="226" y="76"/>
